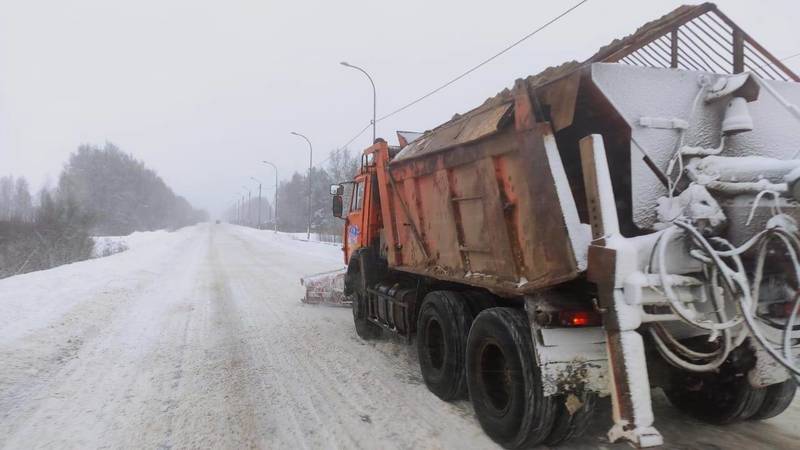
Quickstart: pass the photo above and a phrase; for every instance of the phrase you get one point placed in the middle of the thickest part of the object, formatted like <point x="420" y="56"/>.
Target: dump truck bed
<point x="484" y="201"/>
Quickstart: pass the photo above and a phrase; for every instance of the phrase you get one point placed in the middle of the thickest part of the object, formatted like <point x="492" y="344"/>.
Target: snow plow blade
<point x="325" y="288"/>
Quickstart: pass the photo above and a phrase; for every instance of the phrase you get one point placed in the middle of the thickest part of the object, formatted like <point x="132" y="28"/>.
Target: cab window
<point x="347" y="197"/>
<point x="358" y="198"/>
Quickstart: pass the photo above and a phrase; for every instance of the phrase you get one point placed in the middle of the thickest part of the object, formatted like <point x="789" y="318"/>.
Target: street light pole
<point x="237" y="211"/>
<point x="374" y="95"/>
<point x="248" y="216"/>
<point x="275" y="206"/>
<point x="310" y="159"/>
<point x="258" y="224"/>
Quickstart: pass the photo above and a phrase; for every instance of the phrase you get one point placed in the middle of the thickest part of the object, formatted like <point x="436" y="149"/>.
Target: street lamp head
<point x="373" y="122"/>
<point x="302" y="136"/>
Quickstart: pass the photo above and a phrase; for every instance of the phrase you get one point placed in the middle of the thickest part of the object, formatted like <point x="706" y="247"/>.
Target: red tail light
<point x="780" y="310"/>
<point x="579" y="318"/>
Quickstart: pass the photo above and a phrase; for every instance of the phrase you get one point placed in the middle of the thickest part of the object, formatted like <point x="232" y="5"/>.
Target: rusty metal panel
<point x="544" y="239"/>
<point x="433" y="221"/>
<point x="415" y="252"/>
<point x="487" y="214"/>
<point x="442" y="226"/>
<point x="478" y="124"/>
<point x="483" y="123"/>
<point x="486" y="242"/>
<point x="561" y="95"/>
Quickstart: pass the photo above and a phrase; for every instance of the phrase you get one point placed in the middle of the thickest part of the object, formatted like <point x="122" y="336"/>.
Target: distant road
<point x="197" y="339"/>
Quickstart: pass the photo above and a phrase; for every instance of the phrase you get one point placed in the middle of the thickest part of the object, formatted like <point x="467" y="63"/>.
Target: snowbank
<point x="329" y="239"/>
<point x="31" y="299"/>
<point x="109" y="245"/>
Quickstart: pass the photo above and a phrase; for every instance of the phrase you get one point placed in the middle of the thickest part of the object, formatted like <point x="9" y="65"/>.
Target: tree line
<point x="122" y="194"/>
<point x="100" y="191"/>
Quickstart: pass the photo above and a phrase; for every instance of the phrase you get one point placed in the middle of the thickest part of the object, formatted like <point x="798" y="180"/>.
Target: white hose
<point x="787" y="332"/>
<point x="677" y="361"/>
<point x="738" y="286"/>
<point x="677" y="157"/>
<point x="682" y="311"/>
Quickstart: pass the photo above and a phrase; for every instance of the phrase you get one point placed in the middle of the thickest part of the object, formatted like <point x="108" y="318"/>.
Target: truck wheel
<point x="442" y="329"/>
<point x="570" y="425"/>
<point x="777" y="398"/>
<point x="477" y="301"/>
<point x="722" y="398"/>
<point x="364" y="328"/>
<point x="504" y="381"/>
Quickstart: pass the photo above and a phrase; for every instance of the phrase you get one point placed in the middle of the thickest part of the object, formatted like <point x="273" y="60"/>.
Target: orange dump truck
<point x="603" y="228"/>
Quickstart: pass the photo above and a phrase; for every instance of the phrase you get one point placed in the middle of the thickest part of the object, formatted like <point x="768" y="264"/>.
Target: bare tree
<point x="22" y="204"/>
<point x="6" y="197"/>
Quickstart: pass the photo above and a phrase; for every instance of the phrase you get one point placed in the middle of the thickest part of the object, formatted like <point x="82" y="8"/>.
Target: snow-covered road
<point x="197" y="339"/>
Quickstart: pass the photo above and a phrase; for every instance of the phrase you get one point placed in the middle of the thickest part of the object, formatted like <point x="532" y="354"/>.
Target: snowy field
<point x="197" y="339"/>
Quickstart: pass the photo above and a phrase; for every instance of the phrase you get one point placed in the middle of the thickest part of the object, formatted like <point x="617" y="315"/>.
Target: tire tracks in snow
<point x="404" y="418"/>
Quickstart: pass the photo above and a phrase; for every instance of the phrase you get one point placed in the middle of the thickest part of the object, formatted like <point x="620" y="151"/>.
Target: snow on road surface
<point x="197" y="339"/>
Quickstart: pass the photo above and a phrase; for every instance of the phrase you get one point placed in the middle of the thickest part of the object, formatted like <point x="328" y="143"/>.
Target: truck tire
<point x="364" y="328"/>
<point x="361" y="268"/>
<point x="720" y="399"/>
<point x="568" y="426"/>
<point x="477" y="301"/>
<point x="504" y="381"/>
<point x="442" y="330"/>
<point x="777" y="398"/>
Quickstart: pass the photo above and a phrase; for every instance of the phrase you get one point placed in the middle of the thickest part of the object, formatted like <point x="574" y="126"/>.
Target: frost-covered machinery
<point x="603" y="228"/>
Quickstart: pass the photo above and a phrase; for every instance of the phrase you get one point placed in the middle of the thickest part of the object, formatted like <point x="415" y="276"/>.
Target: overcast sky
<point x="203" y="91"/>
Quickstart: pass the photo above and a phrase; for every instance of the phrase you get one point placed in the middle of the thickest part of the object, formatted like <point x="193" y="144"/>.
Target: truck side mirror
<point x="338" y="206"/>
<point x="337" y="189"/>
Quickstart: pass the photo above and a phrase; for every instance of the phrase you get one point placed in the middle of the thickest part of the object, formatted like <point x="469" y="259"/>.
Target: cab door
<point x="354" y="224"/>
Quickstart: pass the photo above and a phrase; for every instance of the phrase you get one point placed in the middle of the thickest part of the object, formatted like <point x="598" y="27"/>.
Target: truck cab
<point x="357" y="202"/>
